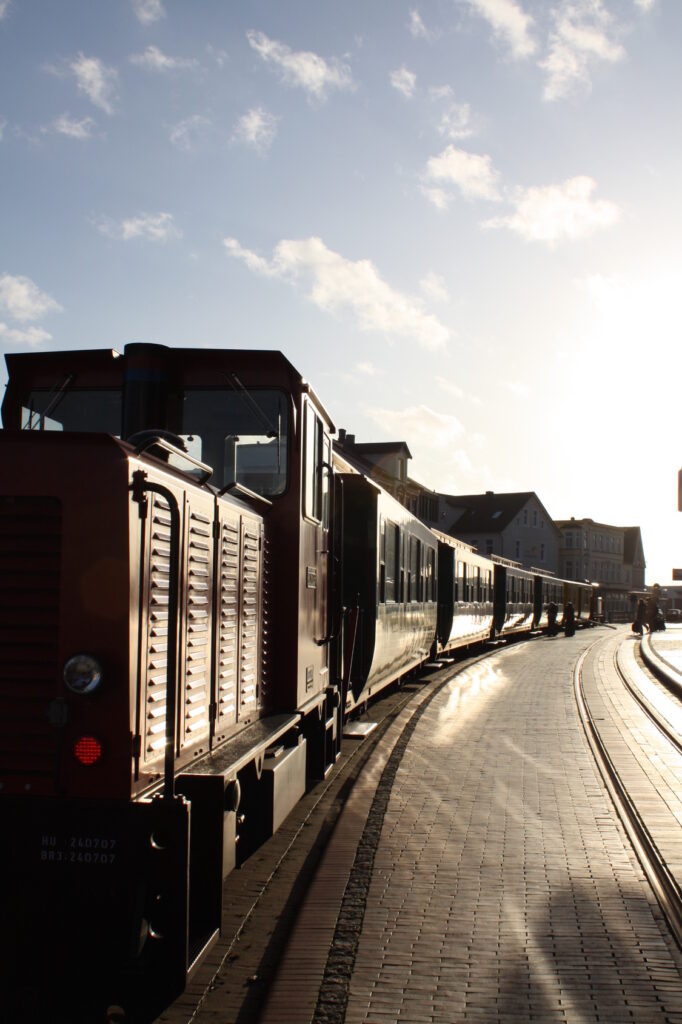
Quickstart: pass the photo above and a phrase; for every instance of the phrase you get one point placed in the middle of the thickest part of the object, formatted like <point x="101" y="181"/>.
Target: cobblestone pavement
<point x="500" y="886"/>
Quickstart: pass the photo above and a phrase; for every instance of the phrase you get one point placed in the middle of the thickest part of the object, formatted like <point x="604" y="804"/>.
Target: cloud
<point x="368" y="369"/>
<point x="423" y="427"/>
<point x="3" y="125"/>
<point x="256" y="128"/>
<point x="404" y="81"/>
<point x="335" y="284"/>
<point x="509" y="23"/>
<point x="418" y="29"/>
<point x="148" y="11"/>
<point x="455" y="122"/>
<point x="434" y="287"/>
<point x="472" y="173"/>
<point x="96" y="80"/>
<point x="190" y="132"/>
<point x="301" y="69"/>
<point x="24" y="300"/>
<point x="516" y="388"/>
<point x="579" y="38"/>
<point x="24" y="336"/>
<point x="449" y="387"/>
<point x="4" y="7"/>
<point x="154" y="60"/>
<point x="645" y="5"/>
<point x="153" y="227"/>
<point x="556" y="213"/>
<point x="75" y="129"/>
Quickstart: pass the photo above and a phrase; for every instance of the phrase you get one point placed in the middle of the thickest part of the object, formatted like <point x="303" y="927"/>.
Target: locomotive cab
<point x="166" y="531"/>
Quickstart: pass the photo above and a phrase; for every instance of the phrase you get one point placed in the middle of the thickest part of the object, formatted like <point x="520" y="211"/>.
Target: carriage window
<point x="460" y="582"/>
<point x="414" y="570"/>
<point x="430" y="575"/>
<point x="392" y="561"/>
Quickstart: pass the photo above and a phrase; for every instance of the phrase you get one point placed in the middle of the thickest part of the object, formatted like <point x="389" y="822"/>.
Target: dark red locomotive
<point x="167" y="671"/>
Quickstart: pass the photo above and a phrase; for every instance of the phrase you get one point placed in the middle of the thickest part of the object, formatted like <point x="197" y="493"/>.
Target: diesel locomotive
<point x="196" y="591"/>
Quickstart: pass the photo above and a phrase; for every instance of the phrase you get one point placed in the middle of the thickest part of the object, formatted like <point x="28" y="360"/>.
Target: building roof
<point x="490" y="512"/>
<point x="632" y="539"/>
<point x="379" y="447"/>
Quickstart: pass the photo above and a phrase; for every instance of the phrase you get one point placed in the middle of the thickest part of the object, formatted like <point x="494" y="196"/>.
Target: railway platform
<point x="483" y="867"/>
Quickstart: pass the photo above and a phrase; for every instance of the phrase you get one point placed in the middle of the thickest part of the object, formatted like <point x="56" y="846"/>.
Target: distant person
<point x="569" y="619"/>
<point x="552" y="612"/>
<point x="640" y="622"/>
<point x="653" y="610"/>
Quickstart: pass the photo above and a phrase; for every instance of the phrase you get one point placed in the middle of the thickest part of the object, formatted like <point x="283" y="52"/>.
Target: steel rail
<point x="662" y="882"/>
<point x="649" y="710"/>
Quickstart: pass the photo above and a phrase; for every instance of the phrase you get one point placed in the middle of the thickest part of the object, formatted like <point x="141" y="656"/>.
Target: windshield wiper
<point x="56" y="396"/>
<point x="270" y="431"/>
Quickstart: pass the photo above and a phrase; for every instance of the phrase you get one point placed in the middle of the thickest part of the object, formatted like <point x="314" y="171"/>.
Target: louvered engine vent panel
<point x="249" y="662"/>
<point x="267" y="654"/>
<point x="228" y="626"/>
<point x="197" y="689"/>
<point x="30" y="563"/>
<point x="157" y="636"/>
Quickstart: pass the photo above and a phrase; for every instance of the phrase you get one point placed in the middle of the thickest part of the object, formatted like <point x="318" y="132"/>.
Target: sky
<point x="461" y="220"/>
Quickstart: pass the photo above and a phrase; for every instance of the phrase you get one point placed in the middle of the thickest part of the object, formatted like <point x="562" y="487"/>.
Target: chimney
<point x="342" y="435"/>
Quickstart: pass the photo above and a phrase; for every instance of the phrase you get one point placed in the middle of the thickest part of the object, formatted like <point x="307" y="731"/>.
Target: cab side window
<point x="317" y="455"/>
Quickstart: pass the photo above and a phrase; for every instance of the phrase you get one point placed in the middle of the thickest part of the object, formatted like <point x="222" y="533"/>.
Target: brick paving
<point x="501" y="886"/>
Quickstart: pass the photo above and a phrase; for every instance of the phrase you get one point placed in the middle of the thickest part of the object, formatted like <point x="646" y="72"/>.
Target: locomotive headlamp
<point x="82" y="673"/>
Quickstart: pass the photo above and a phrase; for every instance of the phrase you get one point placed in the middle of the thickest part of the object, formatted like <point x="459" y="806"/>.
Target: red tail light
<point x="87" y="750"/>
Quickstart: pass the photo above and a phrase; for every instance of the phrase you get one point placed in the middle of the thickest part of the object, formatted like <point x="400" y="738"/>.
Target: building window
<point x="525" y="517"/>
<point x="542" y="552"/>
<point x="569" y="570"/>
<point x="569" y="539"/>
<point x="517" y="549"/>
<point x="488" y="546"/>
<point x="535" y="517"/>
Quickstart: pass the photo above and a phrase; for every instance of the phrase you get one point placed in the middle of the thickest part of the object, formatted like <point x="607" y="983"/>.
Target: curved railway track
<point x="665" y="886"/>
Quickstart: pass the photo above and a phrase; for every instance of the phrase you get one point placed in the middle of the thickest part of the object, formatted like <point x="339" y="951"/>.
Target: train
<point x="198" y="590"/>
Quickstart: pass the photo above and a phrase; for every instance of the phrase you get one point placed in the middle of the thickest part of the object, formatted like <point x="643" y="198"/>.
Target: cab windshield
<point x="243" y="434"/>
<point x="97" y="411"/>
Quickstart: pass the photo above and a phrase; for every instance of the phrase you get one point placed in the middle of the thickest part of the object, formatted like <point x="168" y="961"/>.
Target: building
<point x="610" y="556"/>
<point x="386" y="462"/>
<point x="515" y="525"/>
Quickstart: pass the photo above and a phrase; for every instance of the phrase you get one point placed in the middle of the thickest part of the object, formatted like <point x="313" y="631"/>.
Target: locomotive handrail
<point x="138" y="487"/>
<point x="246" y="491"/>
<point x="158" y="441"/>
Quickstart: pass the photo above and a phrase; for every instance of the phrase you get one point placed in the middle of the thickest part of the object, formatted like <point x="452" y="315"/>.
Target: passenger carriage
<point x="465" y="595"/>
<point x="514" y="598"/>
